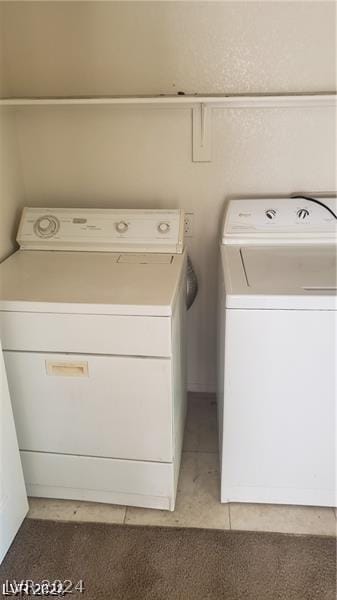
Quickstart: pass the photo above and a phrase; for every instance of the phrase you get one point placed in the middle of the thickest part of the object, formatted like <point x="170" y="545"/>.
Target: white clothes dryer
<point x="92" y="316"/>
<point x="278" y="352"/>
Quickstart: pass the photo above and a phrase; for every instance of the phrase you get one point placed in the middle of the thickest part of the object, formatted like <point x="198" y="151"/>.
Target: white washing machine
<point x="277" y="352"/>
<point x="92" y="317"/>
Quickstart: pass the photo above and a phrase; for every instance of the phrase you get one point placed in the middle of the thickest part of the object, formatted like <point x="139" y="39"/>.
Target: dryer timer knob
<point x="46" y="226"/>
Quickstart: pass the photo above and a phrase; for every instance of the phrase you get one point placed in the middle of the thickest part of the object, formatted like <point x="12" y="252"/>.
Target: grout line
<point x="126" y="508"/>
<point x="229" y="515"/>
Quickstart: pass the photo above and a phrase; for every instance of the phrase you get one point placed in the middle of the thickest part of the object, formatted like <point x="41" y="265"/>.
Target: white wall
<point x="11" y="184"/>
<point x="162" y="47"/>
<point x="104" y="156"/>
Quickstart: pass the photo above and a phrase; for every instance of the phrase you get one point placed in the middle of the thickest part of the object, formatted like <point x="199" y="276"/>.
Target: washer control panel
<point x="279" y="218"/>
<point x="102" y="230"/>
<point x="302" y="213"/>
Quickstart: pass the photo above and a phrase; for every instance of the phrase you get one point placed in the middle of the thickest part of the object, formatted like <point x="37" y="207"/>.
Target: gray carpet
<point x="120" y="562"/>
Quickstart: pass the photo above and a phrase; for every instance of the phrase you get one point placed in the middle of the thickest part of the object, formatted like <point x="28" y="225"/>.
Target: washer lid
<point x="298" y="277"/>
<point x="283" y="267"/>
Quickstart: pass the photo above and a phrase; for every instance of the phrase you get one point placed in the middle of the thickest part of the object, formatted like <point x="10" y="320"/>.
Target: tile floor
<point x="198" y="493"/>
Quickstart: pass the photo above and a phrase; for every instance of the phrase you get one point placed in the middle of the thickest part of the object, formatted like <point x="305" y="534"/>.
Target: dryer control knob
<point x="46" y="226"/>
<point x="303" y="213"/>
<point x="163" y="227"/>
<point x="122" y="227"/>
<point x="270" y="213"/>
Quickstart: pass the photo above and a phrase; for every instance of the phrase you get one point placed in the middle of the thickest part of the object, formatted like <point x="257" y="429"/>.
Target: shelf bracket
<point x="201" y="133"/>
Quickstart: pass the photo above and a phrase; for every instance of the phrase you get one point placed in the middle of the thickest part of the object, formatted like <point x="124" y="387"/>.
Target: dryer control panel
<point x="276" y="219"/>
<point x="107" y="230"/>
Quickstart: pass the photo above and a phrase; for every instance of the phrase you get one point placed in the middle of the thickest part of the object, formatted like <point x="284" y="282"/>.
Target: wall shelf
<point x="201" y="105"/>
<point x="220" y="101"/>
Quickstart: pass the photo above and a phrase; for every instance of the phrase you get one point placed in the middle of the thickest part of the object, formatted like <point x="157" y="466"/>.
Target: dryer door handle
<point x="67" y="369"/>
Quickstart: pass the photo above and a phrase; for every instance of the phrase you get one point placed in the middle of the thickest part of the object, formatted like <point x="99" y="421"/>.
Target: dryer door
<point x="102" y="406"/>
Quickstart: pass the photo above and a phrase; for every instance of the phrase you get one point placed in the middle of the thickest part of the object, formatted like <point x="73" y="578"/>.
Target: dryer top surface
<point x="91" y="282"/>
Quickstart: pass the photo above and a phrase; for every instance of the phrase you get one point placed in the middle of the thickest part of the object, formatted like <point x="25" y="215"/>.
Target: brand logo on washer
<point x="245" y="214"/>
<point x="79" y="220"/>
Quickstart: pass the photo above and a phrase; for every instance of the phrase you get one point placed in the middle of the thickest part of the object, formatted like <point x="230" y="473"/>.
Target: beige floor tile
<point x="198" y="503"/>
<point x="101" y="513"/>
<point x="201" y="424"/>
<point x="73" y="510"/>
<point x="285" y="519"/>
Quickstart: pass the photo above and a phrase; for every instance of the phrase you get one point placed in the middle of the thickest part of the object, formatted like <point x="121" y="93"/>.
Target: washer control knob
<point x="163" y="227"/>
<point x="303" y="213"/>
<point x="122" y="227"/>
<point x="270" y="213"/>
<point x="46" y="226"/>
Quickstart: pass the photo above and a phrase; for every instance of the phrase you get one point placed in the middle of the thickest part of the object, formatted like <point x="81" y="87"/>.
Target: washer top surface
<point x="289" y="277"/>
<point x="285" y="264"/>
<point x="90" y="282"/>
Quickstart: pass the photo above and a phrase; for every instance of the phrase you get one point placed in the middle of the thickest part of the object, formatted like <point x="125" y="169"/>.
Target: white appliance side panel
<point x="279" y="435"/>
<point x="13" y="498"/>
<point x="94" y="334"/>
<point x="118" y="407"/>
<point x="126" y="482"/>
<point x="179" y="370"/>
<point x="221" y="316"/>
